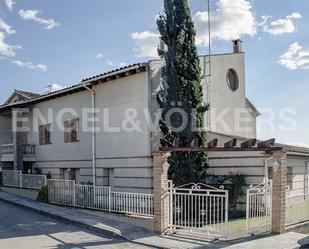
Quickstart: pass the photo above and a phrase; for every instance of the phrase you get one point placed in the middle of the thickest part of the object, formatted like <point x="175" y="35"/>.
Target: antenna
<point x="209" y="36"/>
<point x="208" y="74"/>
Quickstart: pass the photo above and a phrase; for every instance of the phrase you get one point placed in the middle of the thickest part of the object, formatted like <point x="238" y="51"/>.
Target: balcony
<point x="7" y="152"/>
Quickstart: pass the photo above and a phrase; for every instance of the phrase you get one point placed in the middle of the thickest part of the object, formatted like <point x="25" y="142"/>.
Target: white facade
<point x="124" y="158"/>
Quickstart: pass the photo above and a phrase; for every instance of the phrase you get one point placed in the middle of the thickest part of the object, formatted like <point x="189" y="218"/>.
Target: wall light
<point x="275" y="166"/>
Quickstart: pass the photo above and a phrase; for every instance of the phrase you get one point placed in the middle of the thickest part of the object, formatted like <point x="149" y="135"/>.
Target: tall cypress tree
<point x="181" y="90"/>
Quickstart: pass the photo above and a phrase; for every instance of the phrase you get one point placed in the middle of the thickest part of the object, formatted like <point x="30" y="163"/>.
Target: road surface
<point x="24" y="229"/>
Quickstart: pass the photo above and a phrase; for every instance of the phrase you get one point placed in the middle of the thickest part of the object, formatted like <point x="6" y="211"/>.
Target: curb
<point x="78" y="223"/>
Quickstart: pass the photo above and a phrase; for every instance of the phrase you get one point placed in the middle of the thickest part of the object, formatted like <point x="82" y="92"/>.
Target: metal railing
<point x="198" y="207"/>
<point x="61" y="192"/>
<point x="65" y="192"/>
<point x="12" y="178"/>
<point x="7" y="149"/>
<point x="33" y="181"/>
<point x="28" y="150"/>
<point x="15" y="178"/>
<point x="259" y="208"/>
<point x="97" y="197"/>
<point x="297" y="208"/>
<point x="132" y="203"/>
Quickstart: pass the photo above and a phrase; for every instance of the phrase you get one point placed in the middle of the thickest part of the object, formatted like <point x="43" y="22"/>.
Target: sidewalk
<point x="145" y="237"/>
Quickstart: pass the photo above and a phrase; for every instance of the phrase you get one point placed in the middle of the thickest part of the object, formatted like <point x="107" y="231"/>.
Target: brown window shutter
<point x="41" y="134"/>
<point x="74" y="130"/>
<point x="66" y="132"/>
<point x="47" y="134"/>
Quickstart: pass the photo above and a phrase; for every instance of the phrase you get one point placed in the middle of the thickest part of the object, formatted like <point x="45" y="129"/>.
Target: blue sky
<point x="46" y="42"/>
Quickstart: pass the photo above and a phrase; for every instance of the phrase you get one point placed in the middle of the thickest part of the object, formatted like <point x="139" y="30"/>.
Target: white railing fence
<point x="199" y="207"/>
<point x="12" y="178"/>
<point x="64" y="192"/>
<point x="95" y="197"/>
<point x="297" y="208"/>
<point x="259" y="208"/>
<point x="132" y="203"/>
<point x="61" y="192"/>
<point x="33" y="181"/>
<point x="15" y="178"/>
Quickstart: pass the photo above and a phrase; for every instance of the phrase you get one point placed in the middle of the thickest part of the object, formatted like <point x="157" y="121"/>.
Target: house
<point x="57" y="133"/>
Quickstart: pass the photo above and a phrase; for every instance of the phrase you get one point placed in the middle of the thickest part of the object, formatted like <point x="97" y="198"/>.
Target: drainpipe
<point x="93" y="133"/>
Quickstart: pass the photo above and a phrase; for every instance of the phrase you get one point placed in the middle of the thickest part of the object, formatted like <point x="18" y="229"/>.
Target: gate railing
<point x="33" y="181"/>
<point x="15" y="178"/>
<point x="200" y="207"/>
<point x="259" y="208"/>
<point x="297" y="208"/>
<point x="68" y="193"/>
<point x="12" y="178"/>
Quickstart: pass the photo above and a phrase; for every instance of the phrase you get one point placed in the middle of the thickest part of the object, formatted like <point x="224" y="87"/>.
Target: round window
<point x="232" y="79"/>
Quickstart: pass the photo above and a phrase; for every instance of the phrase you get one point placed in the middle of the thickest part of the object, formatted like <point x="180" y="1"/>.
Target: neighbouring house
<point x="126" y="111"/>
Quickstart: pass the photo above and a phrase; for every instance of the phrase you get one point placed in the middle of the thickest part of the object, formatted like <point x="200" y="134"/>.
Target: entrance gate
<point x="259" y="208"/>
<point x="198" y="208"/>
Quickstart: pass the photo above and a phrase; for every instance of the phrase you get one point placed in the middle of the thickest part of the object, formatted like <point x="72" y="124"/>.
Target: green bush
<point x="1" y="178"/>
<point x="43" y="194"/>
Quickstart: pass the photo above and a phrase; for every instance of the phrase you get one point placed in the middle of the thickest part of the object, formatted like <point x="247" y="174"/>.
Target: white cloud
<point x="146" y="44"/>
<point x="7" y="50"/>
<point x="294" y="15"/>
<point x="123" y="64"/>
<point x="280" y="26"/>
<point x="6" y="27"/>
<point x="33" y="15"/>
<point x="55" y="87"/>
<point x="99" y="56"/>
<point x="109" y="63"/>
<point x="231" y="20"/>
<point x="10" y="4"/>
<point x="295" y="57"/>
<point x="30" y="65"/>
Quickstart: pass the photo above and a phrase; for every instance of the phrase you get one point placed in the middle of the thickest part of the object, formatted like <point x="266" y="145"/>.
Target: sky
<point x="53" y="42"/>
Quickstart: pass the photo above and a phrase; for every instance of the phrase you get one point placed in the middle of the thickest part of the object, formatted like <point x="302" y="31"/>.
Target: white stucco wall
<point x="223" y="100"/>
<point x="126" y="154"/>
<point x="298" y="175"/>
<point x="217" y="94"/>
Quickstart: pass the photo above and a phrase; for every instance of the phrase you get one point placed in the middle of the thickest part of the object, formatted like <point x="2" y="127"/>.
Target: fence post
<point x="279" y="193"/>
<point x="226" y="212"/>
<point x="74" y="194"/>
<point x="247" y="211"/>
<point x="45" y="180"/>
<point x="161" y="205"/>
<point x="109" y="199"/>
<point x="20" y="179"/>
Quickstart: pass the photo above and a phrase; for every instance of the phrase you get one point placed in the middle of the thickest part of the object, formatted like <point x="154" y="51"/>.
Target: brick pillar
<point x="279" y="193"/>
<point x="161" y="198"/>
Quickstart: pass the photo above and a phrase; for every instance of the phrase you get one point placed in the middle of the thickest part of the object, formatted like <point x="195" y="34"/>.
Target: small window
<point x="71" y="131"/>
<point x="44" y="134"/>
<point x="232" y="79"/>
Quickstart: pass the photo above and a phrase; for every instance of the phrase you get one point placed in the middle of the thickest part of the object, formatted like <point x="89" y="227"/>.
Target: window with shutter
<point x="71" y="131"/>
<point x="45" y="134"/>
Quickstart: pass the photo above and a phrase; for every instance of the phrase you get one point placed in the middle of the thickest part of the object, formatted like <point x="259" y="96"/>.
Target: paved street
<point x="20" y="228"/>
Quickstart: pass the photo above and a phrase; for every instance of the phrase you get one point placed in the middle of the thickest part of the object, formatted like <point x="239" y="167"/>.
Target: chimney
<point x="237" y="46"/>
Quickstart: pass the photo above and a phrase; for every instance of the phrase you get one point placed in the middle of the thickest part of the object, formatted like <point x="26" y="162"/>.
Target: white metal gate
<point x="259" y="208"/>
<point x="198" y="208"/>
